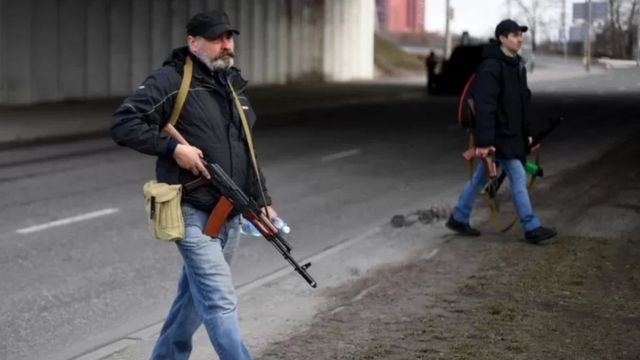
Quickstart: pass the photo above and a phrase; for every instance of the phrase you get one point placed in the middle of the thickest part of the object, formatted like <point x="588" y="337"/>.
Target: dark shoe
<point x="461" y="228"/>
<point x="539" y="235"/>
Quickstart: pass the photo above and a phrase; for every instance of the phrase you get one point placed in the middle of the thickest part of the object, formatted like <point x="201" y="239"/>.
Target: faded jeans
<point x="205" y="293"/>
<point x="519" y="194"/>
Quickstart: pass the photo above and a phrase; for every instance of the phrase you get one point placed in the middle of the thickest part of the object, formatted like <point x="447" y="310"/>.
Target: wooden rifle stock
<point x="173" y="132"/>
<point x="490" y="166"/>
<point x="488" y="162"/>
<point x="222" y="209"/>
<point x="218" y="217"/>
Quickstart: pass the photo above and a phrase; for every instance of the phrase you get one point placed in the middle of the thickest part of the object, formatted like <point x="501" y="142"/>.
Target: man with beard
<point x="212" y="127"/>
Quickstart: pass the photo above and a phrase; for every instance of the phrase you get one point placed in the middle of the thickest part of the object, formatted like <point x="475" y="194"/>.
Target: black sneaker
<point x="539" y="235"/>
<point x="461" y="228"/>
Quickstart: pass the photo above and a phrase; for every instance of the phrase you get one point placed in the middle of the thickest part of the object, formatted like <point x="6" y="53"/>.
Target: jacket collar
<point x="507" y="52"/>
<point x="494" y="50"/>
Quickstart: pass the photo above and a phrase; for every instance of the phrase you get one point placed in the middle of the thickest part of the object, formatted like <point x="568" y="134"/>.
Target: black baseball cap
<point x="508" y="26"/>
<point x="210" y="25"/>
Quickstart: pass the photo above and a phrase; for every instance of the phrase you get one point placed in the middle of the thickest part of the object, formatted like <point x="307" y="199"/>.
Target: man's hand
<point x="190" y="158"/>
<point x="269" y="211"/>
<point x="483" y="152"/>
<point x="535" y="147"/>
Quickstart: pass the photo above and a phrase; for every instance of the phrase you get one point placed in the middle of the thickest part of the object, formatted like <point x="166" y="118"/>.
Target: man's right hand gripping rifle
<point x="192" y="159"/>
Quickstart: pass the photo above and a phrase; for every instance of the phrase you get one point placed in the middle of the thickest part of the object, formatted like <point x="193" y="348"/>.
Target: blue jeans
<point x="519" y="194"/>
<point x="205" y="293"/>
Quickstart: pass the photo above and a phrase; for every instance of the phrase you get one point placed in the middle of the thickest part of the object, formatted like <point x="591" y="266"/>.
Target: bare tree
<point x="617" y="39"/>
<point x="632" y="27"/>
<point x="535" y="13"/>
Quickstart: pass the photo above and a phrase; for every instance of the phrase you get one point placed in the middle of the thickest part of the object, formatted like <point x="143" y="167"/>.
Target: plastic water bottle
<point x="282" y="227"/>
<point x="247" y="227"/>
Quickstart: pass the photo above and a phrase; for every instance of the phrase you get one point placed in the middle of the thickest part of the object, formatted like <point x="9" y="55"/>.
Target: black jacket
<point x="208" y="121"/>
<point x="501" y="97"/>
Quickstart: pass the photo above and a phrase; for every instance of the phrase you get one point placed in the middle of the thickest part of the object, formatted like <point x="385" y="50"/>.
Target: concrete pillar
<point x="160" y="31"/>
<point x="179" y="17"/>
<point x="214" y="5"/>
<point x="271" y="32"/>
<point x="284" y="27"/>
<point x="98" y="49"/>
<point x="364" y="65"/>
<point x="141" y="41"/>
<point x="2" y="54"/>
<point x="317" y="18"/>
<point x="331" y="14"/>
<point x="231" y="8"/>
<point x="16" y="51"/>
<point x="295" y="41"/>
<point x="195" y="6"/>
<point x="120" y="47"/>
<point x="244" y="53"/>
<point x="45" y="54"/>
<point x="348" y="43"/>
<point x="72" y="48"/>
<point x="259" y="47"/>
<point x="307" y="33"/>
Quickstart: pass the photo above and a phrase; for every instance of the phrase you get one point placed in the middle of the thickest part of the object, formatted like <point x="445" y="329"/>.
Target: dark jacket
<point x="501" y="97"/>
<point x="208" y="121"/>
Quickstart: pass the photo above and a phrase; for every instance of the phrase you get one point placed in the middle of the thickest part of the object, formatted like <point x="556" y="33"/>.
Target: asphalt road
<point x="78" y="268"/>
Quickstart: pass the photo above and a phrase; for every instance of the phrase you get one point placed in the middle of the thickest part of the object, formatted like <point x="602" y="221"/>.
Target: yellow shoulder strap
<point x="182" y="93"/>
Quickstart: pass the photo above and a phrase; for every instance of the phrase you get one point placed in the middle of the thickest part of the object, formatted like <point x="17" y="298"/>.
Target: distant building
<point x="401" y="16"/>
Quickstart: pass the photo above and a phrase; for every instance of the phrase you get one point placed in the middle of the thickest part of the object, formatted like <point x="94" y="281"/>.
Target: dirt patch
<point x="499" y="298"/>
<point x="391" y="314"/>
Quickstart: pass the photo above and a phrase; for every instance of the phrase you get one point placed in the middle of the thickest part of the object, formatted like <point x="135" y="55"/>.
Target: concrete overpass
<point x="82" y="49"/>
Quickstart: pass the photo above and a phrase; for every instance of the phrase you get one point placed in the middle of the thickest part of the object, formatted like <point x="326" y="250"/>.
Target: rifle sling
<point x="249" y="137"/>
<point x="182" y="92"/>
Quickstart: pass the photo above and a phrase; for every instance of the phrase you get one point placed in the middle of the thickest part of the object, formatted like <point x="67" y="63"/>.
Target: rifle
<point x="530" y="167"/>
<point x="488" y="161"/>
<point x="234" y="197"/>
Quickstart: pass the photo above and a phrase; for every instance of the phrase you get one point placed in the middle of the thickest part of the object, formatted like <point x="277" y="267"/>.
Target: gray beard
<point x="216" y="64"/>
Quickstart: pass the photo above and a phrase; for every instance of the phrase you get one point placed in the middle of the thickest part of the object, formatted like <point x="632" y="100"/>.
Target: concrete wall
<point x="51" y="50"/>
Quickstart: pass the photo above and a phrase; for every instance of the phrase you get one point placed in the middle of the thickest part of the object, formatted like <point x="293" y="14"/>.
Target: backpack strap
<point x="464" y="98"/>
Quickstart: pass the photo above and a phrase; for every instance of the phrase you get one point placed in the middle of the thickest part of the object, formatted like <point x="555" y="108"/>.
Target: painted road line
<point x="105" y="351"/>
<point x="67" y="221"/>
<point x="341" y="155"/>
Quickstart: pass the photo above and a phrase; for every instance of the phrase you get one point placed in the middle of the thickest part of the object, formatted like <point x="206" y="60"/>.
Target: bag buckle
<point x="152" y="210"/>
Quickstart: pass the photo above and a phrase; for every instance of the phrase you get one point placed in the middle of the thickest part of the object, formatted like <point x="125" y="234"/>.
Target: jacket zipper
<point x="225" y="94"/>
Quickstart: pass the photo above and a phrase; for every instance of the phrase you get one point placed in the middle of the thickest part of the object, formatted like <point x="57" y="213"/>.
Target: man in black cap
<point x="212" y="128"/>
<point x="501" y="99"/>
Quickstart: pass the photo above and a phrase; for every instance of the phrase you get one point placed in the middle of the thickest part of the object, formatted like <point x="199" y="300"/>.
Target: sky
<point x="479" y="17"/>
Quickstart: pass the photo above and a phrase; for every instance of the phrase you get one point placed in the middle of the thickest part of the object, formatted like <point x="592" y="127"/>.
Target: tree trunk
<point x="630" y="34"/>
<point x="534" y="45"/>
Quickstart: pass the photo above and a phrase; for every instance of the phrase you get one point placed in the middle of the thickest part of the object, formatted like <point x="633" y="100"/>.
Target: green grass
<point x="570" y="302"/>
